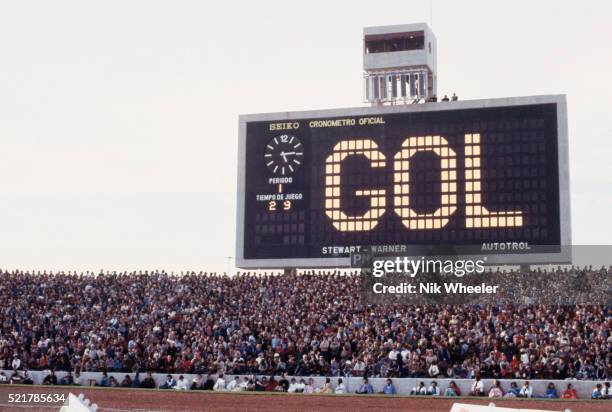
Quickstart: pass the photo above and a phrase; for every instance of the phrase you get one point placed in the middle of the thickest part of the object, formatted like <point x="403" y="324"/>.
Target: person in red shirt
<point x="515" y="363"/>
<point x="569" y="393"/>
<point x="272" y="384"/>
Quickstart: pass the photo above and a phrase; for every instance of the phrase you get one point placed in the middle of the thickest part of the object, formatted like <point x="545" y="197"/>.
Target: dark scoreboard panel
<point x="468" y="175"/>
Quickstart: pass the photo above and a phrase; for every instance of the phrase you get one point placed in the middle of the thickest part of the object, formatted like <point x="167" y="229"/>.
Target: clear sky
<point x="118" y="119"/>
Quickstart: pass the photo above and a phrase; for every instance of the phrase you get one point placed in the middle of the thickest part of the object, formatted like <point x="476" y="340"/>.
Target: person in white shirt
<point x="234" y="385"/>
<point x="477" y="388"/>
<point x="419" y="390"/>
<point x="16" y="364"/>
<point x="220" y="384"/>
<point x="341" y="388"/>
<point x="526" y="390"/>
<point x="433" y="389"/>
<point x="433" y="370"/>
<point x="606" y="391"/>
<point x="301" y="386"/>
<point x="292" y="386"/>
<point x="524" y="357"/>
<point x="181" y="384"/>
<point x="244" y="385"/>
<point x="359" y="367"/>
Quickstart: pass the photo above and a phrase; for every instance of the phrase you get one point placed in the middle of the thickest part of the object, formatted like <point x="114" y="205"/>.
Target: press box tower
<point x="399" y="64"/>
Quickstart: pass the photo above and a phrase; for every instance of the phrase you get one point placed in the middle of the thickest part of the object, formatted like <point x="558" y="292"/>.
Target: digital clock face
<point x="464" y="177"/>
<point x="283" y="154"/>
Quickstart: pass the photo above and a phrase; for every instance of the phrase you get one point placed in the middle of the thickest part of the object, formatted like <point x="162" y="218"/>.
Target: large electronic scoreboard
<point x="470" y="177"/>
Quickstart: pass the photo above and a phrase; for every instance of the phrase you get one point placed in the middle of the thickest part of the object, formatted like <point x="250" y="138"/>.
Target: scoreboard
<point x="469" y="177"/>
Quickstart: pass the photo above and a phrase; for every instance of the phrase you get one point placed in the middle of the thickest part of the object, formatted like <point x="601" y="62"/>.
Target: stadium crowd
<point x="298" y="325"/>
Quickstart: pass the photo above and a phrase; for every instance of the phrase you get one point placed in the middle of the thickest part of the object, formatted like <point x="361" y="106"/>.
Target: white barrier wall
<point x="402" y="385"/>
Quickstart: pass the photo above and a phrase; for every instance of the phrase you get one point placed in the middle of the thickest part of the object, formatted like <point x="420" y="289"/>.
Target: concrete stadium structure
<point x="403" y="385"/>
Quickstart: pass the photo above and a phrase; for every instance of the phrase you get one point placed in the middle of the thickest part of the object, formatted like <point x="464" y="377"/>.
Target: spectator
<point x="49" y="379"/>
<point x="526" y="391"/>
<point x="359" y="367"/>
<point x="452" y="390"/>
<point x="181" y="384"/>
<point x="249" y="384"/>
<point x="126" y="382"/>
<point x="326" y="388"/>
<point x="292" y="386"/>
<point x="234" y="384"/>
<point x="433" y="370"/>
<point x="597" y="392"/>
<point x="496" y="390"/>
<point x="569" y="392"/>
<point x="606" y="392"/>
<point x="27" y="379"/>
<point x="514" y="391"/>
<point x="16" y="364"/>
<point x="169" y="383"/>
<point x="136" y="380"/>
<point x="419" y="390"/>
<point x="433" y="389"/>
<point x="389" y="388"/>
<point x="300" y="387"/>
<point x="196" y="382"/>
<point x="340" y="388"/>
<point x="220" y="384"/>
<point x="551" y="391"/>
<point x="112" y="382"/>
<point x="4" y="378"/>
<point x="104" y="381"/>
<point x="365" y="387"/>
<point x="68" y="379"/>
<point x="243" y="384"/>
<point x="310" y="387"/>
<point x="148" y="381"/>
<point x="272" y="384"/>
<point x="16" y="379"/>
<point x="260" y="384"/>
<point x="283" y="384"/>
<point x="477" y="387"/>
<point x="208" y="384"/>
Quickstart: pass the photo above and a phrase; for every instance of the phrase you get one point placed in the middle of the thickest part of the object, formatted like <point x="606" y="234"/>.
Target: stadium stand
<point x="311" y="324"/>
